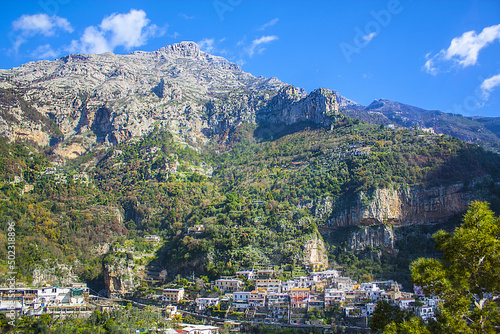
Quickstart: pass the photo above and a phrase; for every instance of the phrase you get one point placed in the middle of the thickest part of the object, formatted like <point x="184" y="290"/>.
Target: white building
<point x="425" y="312"/>
<point x="333" y="296"/>
<point x="370" y="308"/>
<point x="241" y="299"/>
<point x="373" y="291"/>
<point x="327" y="274"/>
<point x="203" y="303"/>
<point x="257" y="299"/>
<point x="249" y="274"/>
<point x="269" y="285"/>
<point x="228" y="285"/>
<point x="404" y="303"/>
<point x="343" y="283"/>
<point x="199" y="329"/>
<point x="44" y="300"/>
<point x="173" y="295"/>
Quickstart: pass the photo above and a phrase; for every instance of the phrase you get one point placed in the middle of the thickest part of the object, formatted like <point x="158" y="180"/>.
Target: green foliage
<point x="254" y="207"/>
<point x="123" y="320"/>
<point x="385" y="314"/>
<point x="412" y="326"/>
<point x="467" y="278"/>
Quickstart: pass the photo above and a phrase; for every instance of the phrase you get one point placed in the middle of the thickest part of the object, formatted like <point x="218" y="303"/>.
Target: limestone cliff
<point x="315" y="252"/>
<point x="53" y="274"/>
<point x="292" y="105"/>
<point x="105" y="99"/>
<point x="119" y="274"/>
<point x="110" y="98"/>
<point x="374" y="237"/>
<point x="399" y="206"/>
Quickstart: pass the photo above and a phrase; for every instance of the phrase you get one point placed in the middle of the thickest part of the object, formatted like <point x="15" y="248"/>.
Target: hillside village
<point x="253" y="296"/>
<point x="305" y="299"/>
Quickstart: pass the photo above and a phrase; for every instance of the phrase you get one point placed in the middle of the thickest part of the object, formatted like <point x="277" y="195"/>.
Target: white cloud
<point x="187" y="17"/>
<point x="369" y="37"/>
<point x="269" y="24"/>
<point x="92" y="41"/>
<point x="126" y="30"/>
<point x="212" y="46"/>
<point x="28" y="26"/>
<point x="489" y="84"/>
<point x="430" y="66"/>
<point x="463" y="50"/>
<point x="466" y="47"/>
<point x="41" y="24"/>
<point x="206" y="45"/>
<point x="242" y="41"/>
<point x="45" y="52"/>
<point x="256" y="46"/>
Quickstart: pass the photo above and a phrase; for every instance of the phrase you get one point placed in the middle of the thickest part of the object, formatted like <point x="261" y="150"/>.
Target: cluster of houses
<point x="46" y="300"/>
<point x="59" y="175"/>
<point x="272" y="300"/>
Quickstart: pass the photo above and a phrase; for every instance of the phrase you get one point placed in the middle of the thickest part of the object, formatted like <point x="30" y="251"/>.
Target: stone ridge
<point x="292" y="105"/>
<point x="105" y="99"/>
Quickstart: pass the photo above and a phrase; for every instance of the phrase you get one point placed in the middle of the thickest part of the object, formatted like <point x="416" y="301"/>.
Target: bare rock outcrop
<point x="119" y="274"/>
<point x="292" y="105"/>
<point x="397" y="206"/>
<point x="374" y="237"/>
<point x="315" y="252"/>
<point x="108" y="98"/>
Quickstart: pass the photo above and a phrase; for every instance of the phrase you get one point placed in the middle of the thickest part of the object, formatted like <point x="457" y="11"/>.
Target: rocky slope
<point x="374" y="237"/>
<point x="109" y="98"/>
<point x="401" y="206"/>
<point x="480" y="130"/>
<point x="86" y="100"/>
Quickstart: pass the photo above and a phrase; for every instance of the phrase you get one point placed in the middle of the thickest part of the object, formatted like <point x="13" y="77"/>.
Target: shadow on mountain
<point x="476" y="169"/>
<point x="273" y="131"/>
<point x="102" y="126"/>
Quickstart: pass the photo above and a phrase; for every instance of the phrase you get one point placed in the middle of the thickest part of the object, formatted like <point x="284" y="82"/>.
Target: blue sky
<point x="441" y="55"/>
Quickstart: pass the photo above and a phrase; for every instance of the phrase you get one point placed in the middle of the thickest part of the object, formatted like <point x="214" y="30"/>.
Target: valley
<point x="133" y="173"/>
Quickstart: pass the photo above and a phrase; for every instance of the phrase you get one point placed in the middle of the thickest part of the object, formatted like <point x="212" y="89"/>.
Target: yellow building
<point x="173" y="295"/>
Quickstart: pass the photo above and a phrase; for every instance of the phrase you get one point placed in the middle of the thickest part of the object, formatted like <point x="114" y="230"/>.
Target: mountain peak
<point x="183" y="49"/>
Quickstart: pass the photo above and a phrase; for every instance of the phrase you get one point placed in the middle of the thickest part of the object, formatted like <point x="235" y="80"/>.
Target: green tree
<point x="412" y="326"/>
<point x="385" y="314"/>
<point x="467" y="279"/>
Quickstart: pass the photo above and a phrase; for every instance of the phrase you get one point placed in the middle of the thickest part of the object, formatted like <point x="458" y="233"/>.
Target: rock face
<point x="109" y="98"/>
<point x="375" y="237"/>
<point x="396" y="206"/>
<point x="119" y="276"/>
<point x="315" y="252"/>
<point x="56" y="274"/>
<point x="292" y="105"/>
<point x="105" y="99"/>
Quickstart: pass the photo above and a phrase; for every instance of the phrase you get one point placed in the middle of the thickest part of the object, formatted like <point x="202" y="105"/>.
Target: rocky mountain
<point x="109" y="98"/>
<point x="81" y="101"/>
<point x="229" y="169"/>
<point x="480" y="130"/>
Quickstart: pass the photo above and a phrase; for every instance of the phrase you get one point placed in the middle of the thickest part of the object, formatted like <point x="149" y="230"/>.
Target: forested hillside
<point x="257" y="198"/>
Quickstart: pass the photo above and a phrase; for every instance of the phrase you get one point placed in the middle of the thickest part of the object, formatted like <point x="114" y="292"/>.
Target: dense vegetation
<point x="255" y="198"/>
<point x="121" y="320"/>
<point x="465" y="279"/>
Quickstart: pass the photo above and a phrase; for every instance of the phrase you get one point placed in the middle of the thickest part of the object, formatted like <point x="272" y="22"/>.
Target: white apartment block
<point x="269" y="285"/>
<point x="202" y="303"/>
<point x="334" y="296"/>
<point x="228" y="285"/>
